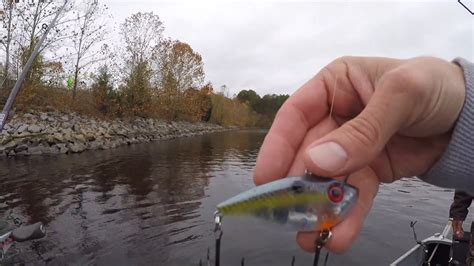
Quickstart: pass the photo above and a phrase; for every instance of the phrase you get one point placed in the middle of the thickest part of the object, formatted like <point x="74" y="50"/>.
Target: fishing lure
<point x="302" y="203"/>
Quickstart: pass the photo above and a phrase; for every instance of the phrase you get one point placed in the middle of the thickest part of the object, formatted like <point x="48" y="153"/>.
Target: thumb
<point x="359" y="141"/>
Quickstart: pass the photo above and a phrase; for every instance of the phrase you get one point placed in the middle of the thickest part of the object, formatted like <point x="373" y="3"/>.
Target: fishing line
<point x="333" y="98"/>
<point x="346" y="179"/>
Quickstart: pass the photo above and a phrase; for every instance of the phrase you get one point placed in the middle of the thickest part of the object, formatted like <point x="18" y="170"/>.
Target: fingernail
<point x="329" y="156"/>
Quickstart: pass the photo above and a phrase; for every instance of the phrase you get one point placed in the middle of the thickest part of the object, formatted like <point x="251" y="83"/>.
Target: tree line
<point x="83" y="67"/>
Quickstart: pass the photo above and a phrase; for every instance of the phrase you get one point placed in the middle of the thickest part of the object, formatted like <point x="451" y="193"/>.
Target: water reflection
<point x="153" y="204"/>
<point x="130" y="204"/>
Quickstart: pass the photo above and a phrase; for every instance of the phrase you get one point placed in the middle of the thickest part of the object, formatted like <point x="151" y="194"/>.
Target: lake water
<point x="153" y="204"/>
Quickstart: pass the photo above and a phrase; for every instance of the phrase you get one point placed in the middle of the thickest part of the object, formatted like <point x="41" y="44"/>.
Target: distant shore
<point x="37" y="133"/>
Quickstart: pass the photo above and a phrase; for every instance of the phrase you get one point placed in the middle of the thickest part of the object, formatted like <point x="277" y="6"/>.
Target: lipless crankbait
<point x="304" y="203"/>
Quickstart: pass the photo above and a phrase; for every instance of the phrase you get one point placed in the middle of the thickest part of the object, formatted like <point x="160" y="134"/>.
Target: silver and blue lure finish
<point x="303" y="203"/>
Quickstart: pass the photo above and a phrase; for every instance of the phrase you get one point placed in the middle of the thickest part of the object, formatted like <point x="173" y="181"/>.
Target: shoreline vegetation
<point x="98" y="94"/>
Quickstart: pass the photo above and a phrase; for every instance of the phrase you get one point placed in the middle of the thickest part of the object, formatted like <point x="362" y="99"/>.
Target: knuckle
<point x="344" y="59"/>
<point x="365" y="131"/>
<point x="340" y="63"/>
<point x="406" y="81"/>
<point x="335" y="68"/>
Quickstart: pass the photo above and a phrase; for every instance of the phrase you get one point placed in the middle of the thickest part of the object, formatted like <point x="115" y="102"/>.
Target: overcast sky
<point x="275" y="46"/>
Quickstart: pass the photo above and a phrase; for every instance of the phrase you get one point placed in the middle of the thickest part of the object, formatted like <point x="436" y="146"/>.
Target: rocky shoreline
<point x="37" y="133"/>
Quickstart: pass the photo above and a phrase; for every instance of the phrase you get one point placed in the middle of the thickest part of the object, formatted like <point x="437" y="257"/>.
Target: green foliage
<point x="267" y="106"/>
<point x="270" y="104"/>
<point x="106" y="99"/>
<point x="137" y="90"/>
<point x="250" y="97"/>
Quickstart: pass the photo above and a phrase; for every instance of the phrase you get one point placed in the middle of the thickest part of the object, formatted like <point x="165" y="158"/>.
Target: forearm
<point x="460" y="206"/>
<point x="455" y="169"/>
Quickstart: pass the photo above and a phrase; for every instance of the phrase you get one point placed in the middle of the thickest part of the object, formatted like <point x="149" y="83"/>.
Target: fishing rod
<point x="16" y="89"/>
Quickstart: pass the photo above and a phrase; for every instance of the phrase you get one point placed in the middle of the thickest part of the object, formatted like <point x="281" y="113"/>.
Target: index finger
<point x="298" y="114"/>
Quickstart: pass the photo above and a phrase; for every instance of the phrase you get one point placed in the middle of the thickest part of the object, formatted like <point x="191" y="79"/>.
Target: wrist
<point x="458" y="89"/>
<point x="454" y="168"/>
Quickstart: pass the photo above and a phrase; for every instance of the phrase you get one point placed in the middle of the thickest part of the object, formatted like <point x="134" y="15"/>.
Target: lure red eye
<point x="335" y="193"/>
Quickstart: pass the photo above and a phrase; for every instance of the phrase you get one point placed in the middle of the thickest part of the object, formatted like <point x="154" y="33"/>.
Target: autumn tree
<point x="179" y="69"/>
<point x="142" y="33"/>
<point x="89" y="31"/>
<point x="178" y="59"/>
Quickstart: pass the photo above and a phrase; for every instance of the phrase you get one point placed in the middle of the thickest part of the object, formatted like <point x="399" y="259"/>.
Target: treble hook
<point x="218" y="225"/>
<point x="321" y="241"/>
<point x="218" y="234"/>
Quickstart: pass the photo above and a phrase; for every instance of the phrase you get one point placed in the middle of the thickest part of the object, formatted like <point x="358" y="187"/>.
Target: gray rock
<point x="33" y="143"/>
<point x="29" y="116"/>
<point x="67" y="131"/>
<point x="77" y="147"/>
<point x="93" y="145"/>
<point x="34" y="129"/>
<point x="10" y="145"/>
<point x="59" y="137"/>
<point x="90" y="137"/>
<point x="62" y="148"/>
<point x="68" y="137"/>
<point x="35" y="150"/>
<point x="22" y="128"/>
<point x="20" y="148"/>
<point x="72" y="133"/>
<point x="22" y="153"/>
<point x="80" y="138"/>
<point x="67" y="125"/>
<point x="54" y="149"/>
<point x="101" y="131"/>
<point x="45" y="149"/>
<point x="76" y="127"/>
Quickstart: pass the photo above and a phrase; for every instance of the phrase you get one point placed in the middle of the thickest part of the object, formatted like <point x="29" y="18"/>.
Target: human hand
<point x="458" y="231"/>
<point x="389" y="119"/>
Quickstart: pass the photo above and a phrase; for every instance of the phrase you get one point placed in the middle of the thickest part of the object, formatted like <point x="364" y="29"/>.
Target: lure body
<point x="303" y="203"/>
